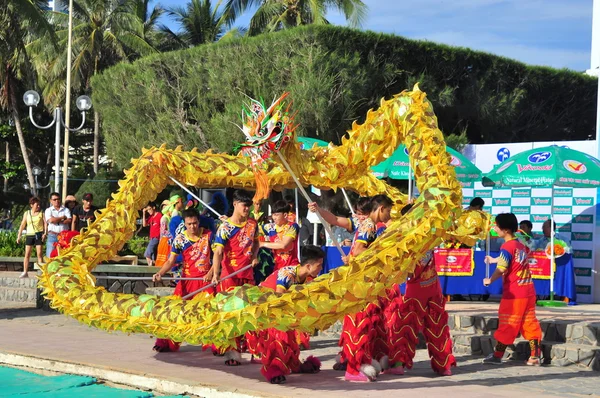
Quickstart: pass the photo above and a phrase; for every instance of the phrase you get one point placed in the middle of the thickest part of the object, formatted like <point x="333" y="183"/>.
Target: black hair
<point x="240" y="195"/>
<point x="552" y="224"/>
<point x="190" y="213"/>
<point x="152" y="204"/>
<point x="364" y="205"/>
<point x="380" y="200"/>
<point x="311" y="253"/>
<point x="507" y="221"/>
<point x="54" y="194"/>
<point x="406" y="208"/>
<point x="281" y="206"/>
<point x="477" y="202"/>
<point x="528" y="223"/>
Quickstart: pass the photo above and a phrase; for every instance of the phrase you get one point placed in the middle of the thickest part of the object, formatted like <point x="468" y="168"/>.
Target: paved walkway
<point x="34" y="338"/>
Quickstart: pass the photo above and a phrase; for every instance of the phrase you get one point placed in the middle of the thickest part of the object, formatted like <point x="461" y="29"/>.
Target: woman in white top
<point x="33" y="224"/>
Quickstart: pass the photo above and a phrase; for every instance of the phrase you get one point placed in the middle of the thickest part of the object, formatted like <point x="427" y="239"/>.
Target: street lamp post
<point x="84" y="103"/>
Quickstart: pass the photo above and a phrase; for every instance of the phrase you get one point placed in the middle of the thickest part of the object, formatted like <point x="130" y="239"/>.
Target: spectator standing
<point x="84" y="214"/>
<point x="57" y="219"/>
<point x="33" y="224"/>
<point x="151" y="217"/>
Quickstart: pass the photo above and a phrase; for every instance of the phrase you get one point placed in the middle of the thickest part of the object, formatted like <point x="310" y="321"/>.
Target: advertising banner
<point x="454" y="262"/>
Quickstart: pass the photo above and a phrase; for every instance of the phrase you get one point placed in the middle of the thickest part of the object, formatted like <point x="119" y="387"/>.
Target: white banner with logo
<point x="574" y="208"/>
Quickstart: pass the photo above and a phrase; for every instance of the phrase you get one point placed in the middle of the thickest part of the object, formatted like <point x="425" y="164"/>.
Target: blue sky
<point x="554" y="33"/>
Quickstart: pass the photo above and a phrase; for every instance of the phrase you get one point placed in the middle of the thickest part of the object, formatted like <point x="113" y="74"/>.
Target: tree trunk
<point x="96" y="140"/>
<point x="7" y="160"/>
<point x="15" y="115"/>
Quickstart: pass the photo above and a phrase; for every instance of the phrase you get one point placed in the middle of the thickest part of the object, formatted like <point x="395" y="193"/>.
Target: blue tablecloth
<point x="564" y="277"/>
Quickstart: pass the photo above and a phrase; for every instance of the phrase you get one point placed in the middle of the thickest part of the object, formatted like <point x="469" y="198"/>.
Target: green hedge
<point x="9" y="246"/>
<point x="193" y="97"/>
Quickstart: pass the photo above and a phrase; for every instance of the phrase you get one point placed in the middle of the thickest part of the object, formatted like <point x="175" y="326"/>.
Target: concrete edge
<point x="142" y="382"/>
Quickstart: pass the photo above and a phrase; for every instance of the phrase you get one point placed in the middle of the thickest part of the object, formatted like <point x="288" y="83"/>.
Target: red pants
<point x="182" y="289"/>
<point x="517" y="316"/>
<point x="372" y="333"/>
<point x="428" y="316"/>
<point x="280" y="354"/>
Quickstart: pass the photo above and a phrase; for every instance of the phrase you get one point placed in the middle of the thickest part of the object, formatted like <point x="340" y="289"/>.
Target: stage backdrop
<point x="575" y="209"/>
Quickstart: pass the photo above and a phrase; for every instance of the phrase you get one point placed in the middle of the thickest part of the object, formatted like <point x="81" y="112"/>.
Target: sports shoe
<point x="492" y="360"/>
<point x="533" y="361"/>
<point x="358" y="378"/>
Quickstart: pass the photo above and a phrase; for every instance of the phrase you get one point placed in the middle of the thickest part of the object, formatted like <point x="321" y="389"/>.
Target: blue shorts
<point x="151" y="249"/>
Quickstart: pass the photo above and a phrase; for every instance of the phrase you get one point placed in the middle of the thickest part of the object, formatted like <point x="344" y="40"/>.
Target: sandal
<point x="232" y="362"/>
<point x="278" y="380"/>
<point x="340" y="366"/>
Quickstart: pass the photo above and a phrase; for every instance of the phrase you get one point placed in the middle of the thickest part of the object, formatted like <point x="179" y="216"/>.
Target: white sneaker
<point x="24" y="275"/>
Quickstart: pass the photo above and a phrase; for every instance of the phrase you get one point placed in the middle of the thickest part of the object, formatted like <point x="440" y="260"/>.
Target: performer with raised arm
<point x="194" y="245"/>
<point x="235" y="247"/>
<point x="282" y="236"/>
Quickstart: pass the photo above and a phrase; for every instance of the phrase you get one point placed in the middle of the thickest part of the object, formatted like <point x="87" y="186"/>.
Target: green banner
<point x="501" y="201"/>
<point x="583" y="254"/>
<point x="584" y="289"/>
<point x="483" y="193"/>
<point x="563" y="192"/>
<point x="564" y="228"/>
<point x="580" y="271"/>
<point x="584" y="219"/>
<point x="563" y="210"/>
<point x="582" y="236"/>
<point x="466" y="201"/>
<point x="541" y="201"/>
<point x="520" y="209"/>
<point x="521" y="193"/>
<point x="583" y="201"/>
<point x="540" y="217"/>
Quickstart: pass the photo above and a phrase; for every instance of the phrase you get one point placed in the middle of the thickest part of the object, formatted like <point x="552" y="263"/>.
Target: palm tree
<point x="18" y="18"/>
<point x="199" y="23"/>
<point x="104" y="32"/>
<point x="272" y="15"/>
<point x="149" y="17"/>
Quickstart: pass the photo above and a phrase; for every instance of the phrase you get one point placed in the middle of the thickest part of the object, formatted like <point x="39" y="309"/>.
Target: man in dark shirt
<point x="83" y="215"/>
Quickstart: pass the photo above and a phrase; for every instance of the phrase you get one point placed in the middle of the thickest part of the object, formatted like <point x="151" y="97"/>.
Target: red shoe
<point x="445" y="372"/>
<point x="398" y="371"/>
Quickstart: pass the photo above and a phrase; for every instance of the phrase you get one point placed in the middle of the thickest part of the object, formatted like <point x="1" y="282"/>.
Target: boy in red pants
<point x="235" y="247"/>
<point x="423" y="310"/>
<point x="194" y="245"/>
<point x="279" y="350"/>
<point x="517" y="306"/>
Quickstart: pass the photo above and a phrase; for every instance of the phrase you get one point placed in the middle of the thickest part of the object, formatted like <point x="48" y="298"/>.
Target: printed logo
<point x="565" y="146"/>
<point x="563" y="192"/>
<point x="520" y="210"/>
<point x="574" y="166"/>
<point x="584" y="219"/>
<point x="451" y="259"/>
<point x="466" y="201"/>
<point x="539" y="157"/>
<point x="584" y="254"/>
<point x="582" y="236"/>
<point x="580" y="271"/>
<point x="583" y="201"/>
<point x="505" y="166"/>
<point x="540" y="201"/>
<point x="454" y="161"/>
<point x="532" y="261"/>
<point x="565" y="228"/>
<point x="406" y="151"/>
<point x="539" y="217"/>
<point x="529" y="167"/>
<point x="484" y="194"/>
<point x="521" y="193"/>
<point x="400" y="163"/>
<point x="583" y="289"/>
<point x="563" y="210"/>
<point x="501" y="202"/>
<point x="503" y="154"/>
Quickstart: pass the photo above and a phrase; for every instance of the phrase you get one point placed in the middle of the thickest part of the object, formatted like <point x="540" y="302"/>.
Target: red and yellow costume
<point x="276" y="233"/>
<point x="279" y="351"/>
<point x="238" y="243"/>
<point x="370" y="334"/>
<point x="196" y="264"/>
<point x="423" y="310"/>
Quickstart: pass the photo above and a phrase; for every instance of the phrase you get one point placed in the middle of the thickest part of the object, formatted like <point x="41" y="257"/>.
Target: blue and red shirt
<point x="237" y="242"/>
<point x="366" y="233"/>
<point x="196" y="253"/>
<point x="517" y="280"/>
<point x="276" y="233"/>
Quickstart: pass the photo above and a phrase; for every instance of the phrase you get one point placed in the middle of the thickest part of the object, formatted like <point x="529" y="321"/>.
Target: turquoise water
<point x="19" y="383"/>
